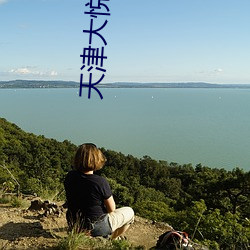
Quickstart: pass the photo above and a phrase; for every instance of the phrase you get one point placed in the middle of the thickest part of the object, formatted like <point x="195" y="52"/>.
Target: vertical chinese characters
<point x="93" y="58"/>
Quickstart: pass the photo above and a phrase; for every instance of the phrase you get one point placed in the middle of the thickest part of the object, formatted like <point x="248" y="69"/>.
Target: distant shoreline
<point x="19" y="84"/>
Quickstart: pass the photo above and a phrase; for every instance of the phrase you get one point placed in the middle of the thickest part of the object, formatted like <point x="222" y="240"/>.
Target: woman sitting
<point x="91" y="205"/>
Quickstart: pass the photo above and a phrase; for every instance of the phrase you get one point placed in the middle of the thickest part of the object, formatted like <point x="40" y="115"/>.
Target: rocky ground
<point x="43" y="228"/>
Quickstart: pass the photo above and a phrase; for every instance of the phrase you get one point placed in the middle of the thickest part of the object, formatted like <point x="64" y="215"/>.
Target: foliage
<point x="153" y="210"/>
<point x="82" y="241"/>
<point x="212" y="205"/>
<point x="211" y="227"/>
<point x="5" y="199"/>
<point x="37" y="162"/>
<point x="121" y="193"/>
<point x="75" y="241"/>
<point x="18" y="202"/>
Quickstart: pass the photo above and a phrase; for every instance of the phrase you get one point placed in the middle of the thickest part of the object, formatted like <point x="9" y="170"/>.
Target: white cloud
<point x="218" y="70"/>
<point x="53" y="73"/>
<point x="31" y="71"/>
<point x="211" y="72"/>
<point x="2" y="1"/>
<point x="22" y="71"/>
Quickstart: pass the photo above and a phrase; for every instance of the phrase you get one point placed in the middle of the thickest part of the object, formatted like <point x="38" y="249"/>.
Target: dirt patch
<point x="25" y="229"/>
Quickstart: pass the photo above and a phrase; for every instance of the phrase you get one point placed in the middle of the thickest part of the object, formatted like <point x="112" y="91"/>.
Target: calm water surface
<point x="207" y="126"/>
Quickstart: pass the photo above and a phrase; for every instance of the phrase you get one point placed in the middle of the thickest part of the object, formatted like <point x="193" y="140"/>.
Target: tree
<point x="154" y="210"/>
<point x="237" y="189"/>
<point x="121" y="194"/>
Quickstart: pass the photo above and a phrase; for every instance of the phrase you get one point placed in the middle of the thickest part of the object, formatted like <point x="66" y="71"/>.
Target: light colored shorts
<point x="120" y="217"/>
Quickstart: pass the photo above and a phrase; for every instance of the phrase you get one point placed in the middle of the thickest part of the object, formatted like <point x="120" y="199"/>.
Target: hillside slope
<point x="181" y="195"/>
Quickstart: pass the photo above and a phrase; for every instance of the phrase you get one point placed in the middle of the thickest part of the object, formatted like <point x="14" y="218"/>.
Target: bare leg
<point x="119" y="231"/>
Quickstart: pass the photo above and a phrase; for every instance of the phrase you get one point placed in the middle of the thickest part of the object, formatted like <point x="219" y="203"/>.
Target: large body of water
<point x="207" y="126"/>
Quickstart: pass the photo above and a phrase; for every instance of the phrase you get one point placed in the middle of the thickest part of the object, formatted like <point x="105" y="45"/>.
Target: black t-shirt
<point x="86" y="193"/>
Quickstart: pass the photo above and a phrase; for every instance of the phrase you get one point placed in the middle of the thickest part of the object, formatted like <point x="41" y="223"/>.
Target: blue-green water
<point x="207" y="126"/>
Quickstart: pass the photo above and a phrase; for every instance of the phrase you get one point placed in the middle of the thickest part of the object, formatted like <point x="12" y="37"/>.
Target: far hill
<point x="15" y="84"/>
<point x="71" y="84"/>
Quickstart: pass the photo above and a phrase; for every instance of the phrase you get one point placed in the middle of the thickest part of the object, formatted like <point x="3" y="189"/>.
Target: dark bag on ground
<point x="173" y="240"/>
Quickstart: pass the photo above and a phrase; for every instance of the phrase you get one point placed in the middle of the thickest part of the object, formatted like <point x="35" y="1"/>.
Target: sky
<point x="147" y="41"/>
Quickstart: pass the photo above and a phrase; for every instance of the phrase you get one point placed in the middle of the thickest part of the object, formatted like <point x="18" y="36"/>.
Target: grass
<point x="75" y="241"/>
<point x="5" y="200"/>
<point x="19" y="202"/>
<point x="14" y="201"/>
<point x="54" y="195"/>
<point x="83" y="241"/>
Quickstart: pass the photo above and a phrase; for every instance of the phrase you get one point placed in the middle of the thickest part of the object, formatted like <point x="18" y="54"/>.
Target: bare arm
<point x="110" y="204"/>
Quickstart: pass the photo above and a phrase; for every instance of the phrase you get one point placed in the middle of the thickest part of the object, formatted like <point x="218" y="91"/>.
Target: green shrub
<point x="75" y="241"/>
<point x="152" y="210"/>
<point x="5" y="200"/>
<point x="18" y="202"/>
